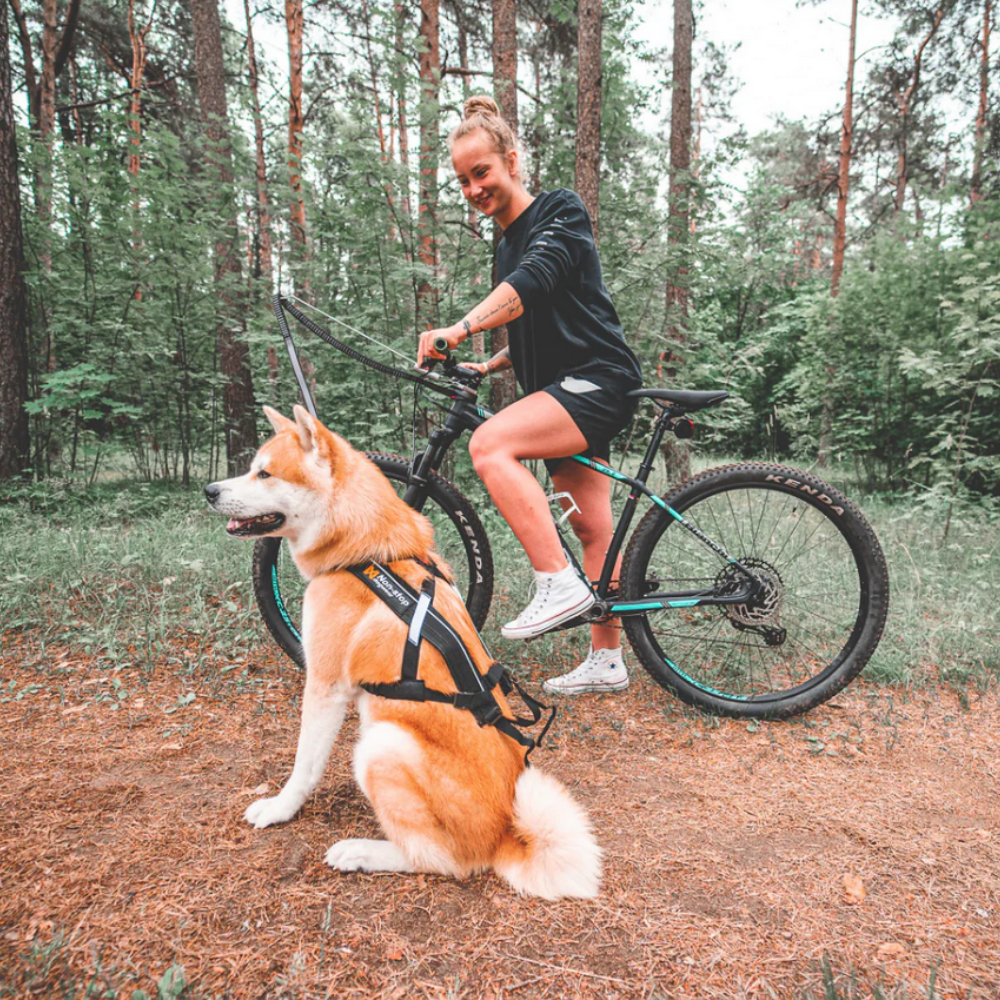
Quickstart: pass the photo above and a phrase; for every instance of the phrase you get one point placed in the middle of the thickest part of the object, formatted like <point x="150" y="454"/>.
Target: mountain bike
<point x="751" y="590"/>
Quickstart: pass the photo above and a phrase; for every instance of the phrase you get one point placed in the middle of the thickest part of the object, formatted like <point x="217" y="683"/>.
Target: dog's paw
<point x="350" y="856"/>
<point x="267" y="812"/>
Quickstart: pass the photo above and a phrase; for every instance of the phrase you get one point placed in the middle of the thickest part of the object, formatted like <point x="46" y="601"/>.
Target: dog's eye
<point x="263" y="474"/>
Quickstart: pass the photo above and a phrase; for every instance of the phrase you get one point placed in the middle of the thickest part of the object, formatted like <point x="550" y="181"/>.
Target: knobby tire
<point x="814" y="625"/>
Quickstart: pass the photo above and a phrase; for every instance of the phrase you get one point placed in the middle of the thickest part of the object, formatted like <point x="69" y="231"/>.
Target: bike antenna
<point x="281" y="304"/>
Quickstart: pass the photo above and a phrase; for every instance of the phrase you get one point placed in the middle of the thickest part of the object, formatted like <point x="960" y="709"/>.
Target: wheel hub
<point x="762" y="612"/>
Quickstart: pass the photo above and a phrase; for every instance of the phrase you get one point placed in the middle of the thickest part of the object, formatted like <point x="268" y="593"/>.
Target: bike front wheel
<point x="808" y="631"/>
<point x="459" y="538"/>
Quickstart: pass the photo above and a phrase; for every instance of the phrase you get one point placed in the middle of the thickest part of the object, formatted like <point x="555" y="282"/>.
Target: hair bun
<point x="480" y="105"/>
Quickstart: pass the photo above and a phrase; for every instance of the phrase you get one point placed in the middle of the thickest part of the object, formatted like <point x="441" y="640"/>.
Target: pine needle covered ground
<point x="142" y="709"/>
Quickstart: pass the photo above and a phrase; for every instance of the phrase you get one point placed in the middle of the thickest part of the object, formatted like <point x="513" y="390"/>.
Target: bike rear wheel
<point x="808" y="632"/>
<point x="459" y="538"/>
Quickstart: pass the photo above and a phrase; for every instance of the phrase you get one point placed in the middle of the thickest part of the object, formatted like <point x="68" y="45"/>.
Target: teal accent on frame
<point x="603" y="469"/>
<point x="688" y="602"/>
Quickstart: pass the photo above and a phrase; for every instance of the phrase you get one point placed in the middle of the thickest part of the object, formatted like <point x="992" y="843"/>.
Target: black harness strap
<point x="475" y="691"/>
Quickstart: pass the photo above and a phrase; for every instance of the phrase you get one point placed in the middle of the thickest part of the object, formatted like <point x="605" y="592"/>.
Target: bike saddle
<point x="682" y="397"/>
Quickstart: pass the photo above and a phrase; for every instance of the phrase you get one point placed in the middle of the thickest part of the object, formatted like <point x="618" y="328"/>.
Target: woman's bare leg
<point x="594" y="526"/>
<point x="536" y="426"/>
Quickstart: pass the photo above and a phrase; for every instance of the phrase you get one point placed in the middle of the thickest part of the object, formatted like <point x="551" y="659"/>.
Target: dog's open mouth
<point x="263" y="524"/>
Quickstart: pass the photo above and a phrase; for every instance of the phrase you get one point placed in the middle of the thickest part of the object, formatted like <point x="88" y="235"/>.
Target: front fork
<point x="426" y="463"/>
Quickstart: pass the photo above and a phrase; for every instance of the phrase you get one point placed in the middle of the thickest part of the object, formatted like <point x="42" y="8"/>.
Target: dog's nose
<point x="212" y="492"/>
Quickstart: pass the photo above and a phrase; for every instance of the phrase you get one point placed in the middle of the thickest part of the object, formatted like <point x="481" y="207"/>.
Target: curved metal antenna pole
<point x="296" y="367"/>
<point x="347" y="326"/>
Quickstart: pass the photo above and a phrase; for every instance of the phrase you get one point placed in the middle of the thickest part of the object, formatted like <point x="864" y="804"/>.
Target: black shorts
<point x="600" y="408"/>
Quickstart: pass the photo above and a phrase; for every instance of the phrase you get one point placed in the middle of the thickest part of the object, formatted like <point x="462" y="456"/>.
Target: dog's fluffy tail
<point x="551" y="851"/>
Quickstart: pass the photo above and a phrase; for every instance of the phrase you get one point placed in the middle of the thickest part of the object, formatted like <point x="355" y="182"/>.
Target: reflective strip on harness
<point x="475" y="692"/>
<point x="417" y="623"/>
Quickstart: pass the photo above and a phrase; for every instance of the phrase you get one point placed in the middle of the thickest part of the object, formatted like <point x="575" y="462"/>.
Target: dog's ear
<point x="277" y="421"/>
<point x="308" y="427"/>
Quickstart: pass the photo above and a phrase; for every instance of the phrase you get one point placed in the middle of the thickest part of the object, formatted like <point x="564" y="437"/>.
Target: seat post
<point x="646" y="467"/>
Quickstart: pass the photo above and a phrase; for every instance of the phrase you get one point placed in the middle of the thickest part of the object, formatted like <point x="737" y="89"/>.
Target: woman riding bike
<point x="570" y="358"/>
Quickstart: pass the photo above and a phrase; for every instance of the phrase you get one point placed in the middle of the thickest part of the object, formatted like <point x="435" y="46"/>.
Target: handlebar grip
<point x="441" y="345"/>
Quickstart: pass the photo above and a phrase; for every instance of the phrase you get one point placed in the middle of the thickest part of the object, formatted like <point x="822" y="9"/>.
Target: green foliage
<point x="896" y="377"/>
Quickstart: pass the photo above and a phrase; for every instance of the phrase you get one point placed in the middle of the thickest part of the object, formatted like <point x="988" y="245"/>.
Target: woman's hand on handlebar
<point x="454" y="335"/>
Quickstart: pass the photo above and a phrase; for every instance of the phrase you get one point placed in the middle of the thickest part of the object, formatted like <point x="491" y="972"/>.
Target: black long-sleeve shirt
<point x="569" y="325"/>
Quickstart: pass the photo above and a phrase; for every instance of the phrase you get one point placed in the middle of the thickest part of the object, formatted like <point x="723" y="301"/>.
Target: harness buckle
<point x="489" y="715"/>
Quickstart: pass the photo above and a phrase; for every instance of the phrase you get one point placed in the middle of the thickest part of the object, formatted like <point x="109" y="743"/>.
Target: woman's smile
<point x="488" y="180"/>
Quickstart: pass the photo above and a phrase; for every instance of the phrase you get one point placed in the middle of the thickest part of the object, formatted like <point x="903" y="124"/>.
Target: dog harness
<point x="475" y="691"/>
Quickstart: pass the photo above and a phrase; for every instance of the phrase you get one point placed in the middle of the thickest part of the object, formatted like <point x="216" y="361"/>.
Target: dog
<point x="451" y="796"/>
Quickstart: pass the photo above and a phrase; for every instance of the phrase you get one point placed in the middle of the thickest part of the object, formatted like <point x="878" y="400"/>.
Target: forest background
<point x="168" y="178"/>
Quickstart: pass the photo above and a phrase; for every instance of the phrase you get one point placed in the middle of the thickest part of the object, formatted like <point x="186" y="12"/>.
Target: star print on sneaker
<point x="603" y="670"/>
<point x="559" y="597"/>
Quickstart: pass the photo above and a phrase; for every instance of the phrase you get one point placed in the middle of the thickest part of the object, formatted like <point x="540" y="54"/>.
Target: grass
<point x="44" y="966"/>
<point x="846" y="987"/>
<point x="128" y="575"/>
<point x="143" y="576"/>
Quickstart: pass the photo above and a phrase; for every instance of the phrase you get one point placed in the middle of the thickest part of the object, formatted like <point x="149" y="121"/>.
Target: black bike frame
<point x="465" y="414"/>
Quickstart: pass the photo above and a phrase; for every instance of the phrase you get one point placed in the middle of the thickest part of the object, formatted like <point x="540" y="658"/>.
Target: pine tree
<point x="14" y="438"/>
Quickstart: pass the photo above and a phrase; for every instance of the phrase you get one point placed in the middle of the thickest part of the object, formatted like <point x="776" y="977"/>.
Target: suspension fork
<point x="429" y="460"/>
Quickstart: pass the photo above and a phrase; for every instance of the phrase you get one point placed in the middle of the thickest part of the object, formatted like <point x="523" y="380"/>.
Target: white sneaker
<point x="603" y="670"/>
<point x="559" y="597"/>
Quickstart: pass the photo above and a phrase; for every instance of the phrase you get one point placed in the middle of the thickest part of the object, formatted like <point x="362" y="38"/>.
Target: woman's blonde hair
<point x="482" y="112"/>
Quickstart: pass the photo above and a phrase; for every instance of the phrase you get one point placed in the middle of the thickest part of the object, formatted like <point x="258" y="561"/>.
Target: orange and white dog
<point x="452" y="797"/>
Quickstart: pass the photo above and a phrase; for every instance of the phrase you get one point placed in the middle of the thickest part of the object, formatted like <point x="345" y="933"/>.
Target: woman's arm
<point x="500" y="362"/>
<point x="500" y="306"/>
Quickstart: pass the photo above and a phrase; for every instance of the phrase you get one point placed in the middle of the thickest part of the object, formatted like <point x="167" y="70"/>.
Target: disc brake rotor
<point x="762" y="613"/>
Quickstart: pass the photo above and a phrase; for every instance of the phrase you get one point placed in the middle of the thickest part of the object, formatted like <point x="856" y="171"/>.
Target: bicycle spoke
<point x="736" y="522"/>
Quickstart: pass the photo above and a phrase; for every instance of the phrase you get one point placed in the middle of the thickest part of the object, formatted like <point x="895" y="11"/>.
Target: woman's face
<point x="487" y="179"/>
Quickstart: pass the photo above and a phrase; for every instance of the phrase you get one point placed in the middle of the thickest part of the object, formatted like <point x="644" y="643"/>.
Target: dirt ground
<point x="738" y="856"/>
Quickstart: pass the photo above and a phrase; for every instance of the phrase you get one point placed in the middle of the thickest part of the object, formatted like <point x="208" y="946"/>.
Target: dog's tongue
<point x="233" y="524"/>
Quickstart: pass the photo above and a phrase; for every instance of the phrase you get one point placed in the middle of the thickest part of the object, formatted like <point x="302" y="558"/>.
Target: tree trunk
<point x="502" y="387"/>
<point x="680" y="160"/>
<point x="14" y="437"/>
<point x="478" y="339"/>
<point x="430" y="80"/>
<point x="263" y="213"/>
<point x="505" y="58"/>
<point x="839" y="235"/>
<point x="404" y="142"/>
<point x="373" y="72"/>
<point x="696" y="158"/>
<point x="139" y="53"/>
<point x="30" y="80"/>
<point x="588" y="107"/>
<point x="976" y="192"/>
<point x="844" y="176"/>
<point x="678" y="220"/>
<point x="234" y="359"/>
<point x="904" y="101"/>
<point x="295" y="23"/>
